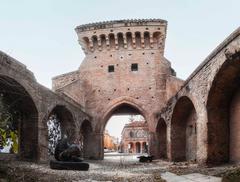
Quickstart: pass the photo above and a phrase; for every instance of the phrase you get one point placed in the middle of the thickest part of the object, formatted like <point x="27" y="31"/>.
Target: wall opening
<point x="162" y="138"/>
<point x="18" y="121"/>
<point x="87" y="43"/>
<point x="223" y="114"/>
<point x="129" y="39"/>
<point x="138" y="148"/>
<point x="112" y="41"/>
<point x="134" y="67"/>
<point x="125" y="132"/>
<point x="54" y="133"/>
<point x="95" y="42"/>
<point x="138" y="39"/>
<point x="183" y="132"/>
<point x="147" y="39"/>
<point x="60" y="123"/>
<point x="103" y="41"/>
<point x="111" y="68"/>
<point x="120" y="40"/>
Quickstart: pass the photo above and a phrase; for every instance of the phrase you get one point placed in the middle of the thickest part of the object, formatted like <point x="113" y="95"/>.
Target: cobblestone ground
<point x="113" y="168"/>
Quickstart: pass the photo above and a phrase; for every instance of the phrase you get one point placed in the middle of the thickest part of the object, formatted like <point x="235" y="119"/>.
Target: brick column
<point x="154" y="145"/>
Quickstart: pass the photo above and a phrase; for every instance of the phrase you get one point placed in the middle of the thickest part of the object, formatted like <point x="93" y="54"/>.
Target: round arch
<point x="66" y="118"/>
<point x="223" y="113"/>
<point x="184" y="130"/>
<point x="112" y="108"/>
<point x="28" y="85"/>
<point x="161" y="131"/>
<point x="67" y="124"/>
<point x="115" y="105"/>
<point x="24" y="114"/>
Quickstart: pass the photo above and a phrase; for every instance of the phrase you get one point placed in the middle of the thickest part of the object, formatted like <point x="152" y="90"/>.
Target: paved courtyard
<point x="115" y="167"/>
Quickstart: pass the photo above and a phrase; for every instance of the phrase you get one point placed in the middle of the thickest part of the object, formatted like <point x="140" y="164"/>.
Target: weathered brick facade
<point x="206" y="101"/>
<point x="125" y="71"/>
<point x="142" y="78"/>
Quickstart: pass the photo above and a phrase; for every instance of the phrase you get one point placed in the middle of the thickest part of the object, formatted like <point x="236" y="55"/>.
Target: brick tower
<point x="124" y="71"/>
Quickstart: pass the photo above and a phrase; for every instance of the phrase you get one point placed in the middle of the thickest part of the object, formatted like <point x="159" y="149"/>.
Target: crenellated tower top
<point x="122" y="35"/>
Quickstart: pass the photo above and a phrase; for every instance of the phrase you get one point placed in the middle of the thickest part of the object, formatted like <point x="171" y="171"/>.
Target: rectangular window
<point x="110" y="68"/>
<point x="134" y="67"/>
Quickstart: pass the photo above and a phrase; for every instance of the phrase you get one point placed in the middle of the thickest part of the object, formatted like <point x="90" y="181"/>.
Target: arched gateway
<point x="120" y="107"/>
<point x="124" y="70"/>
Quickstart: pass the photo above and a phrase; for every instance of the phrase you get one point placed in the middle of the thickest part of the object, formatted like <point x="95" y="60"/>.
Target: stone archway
<point x="184" y="131"/>
<point x="120" y="107"/>
<point x="67" y="126"/>
<point x="162" y="138"/>
<point x="66" y="119"/>
<point x="125" y="104"/>
<point x="223" y="113"/>
<point x="16" y="100"/>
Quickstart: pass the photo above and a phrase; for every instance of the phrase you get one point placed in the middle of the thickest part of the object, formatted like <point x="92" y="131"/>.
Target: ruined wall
<point x="44" y="100"/>
<point x="197" y="88"/>
<point x="64" y="79"/>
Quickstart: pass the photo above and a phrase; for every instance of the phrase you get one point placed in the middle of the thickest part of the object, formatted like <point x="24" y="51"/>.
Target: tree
<point x="8" y="127"/>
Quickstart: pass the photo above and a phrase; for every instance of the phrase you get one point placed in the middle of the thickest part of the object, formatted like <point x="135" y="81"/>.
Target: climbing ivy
<point x="8" y="128"/>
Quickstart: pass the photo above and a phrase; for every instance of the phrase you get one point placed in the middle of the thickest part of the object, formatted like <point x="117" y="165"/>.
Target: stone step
<point x="171" y="177"/>
<point x="194" y="177"/>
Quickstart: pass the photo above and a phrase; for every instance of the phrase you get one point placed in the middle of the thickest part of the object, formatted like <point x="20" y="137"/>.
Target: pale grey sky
<point x="117" y="122"/>
<point x="41" y="34"/>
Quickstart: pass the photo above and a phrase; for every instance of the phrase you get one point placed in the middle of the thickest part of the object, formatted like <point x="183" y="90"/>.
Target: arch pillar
<point x="43" y="141"/>
<point x="153" y="144"/>
<point x="135" y="147"/>
<point x="99" y="43"/>
<point x="97" y="146"/>
<point x="202" y="136"/>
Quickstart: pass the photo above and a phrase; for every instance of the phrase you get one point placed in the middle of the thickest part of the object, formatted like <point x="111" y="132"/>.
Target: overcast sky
<point x="41" y="34"/>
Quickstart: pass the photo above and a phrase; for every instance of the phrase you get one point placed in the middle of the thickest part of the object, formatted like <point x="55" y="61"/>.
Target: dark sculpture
<point x="146" y="158"/>
<point x="66" y="152"/>
<point x="68" y="157"/>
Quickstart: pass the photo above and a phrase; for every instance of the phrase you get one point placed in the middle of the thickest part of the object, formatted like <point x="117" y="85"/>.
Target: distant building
<point x="110" y="142"/>
<point x="135" y="137"/>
